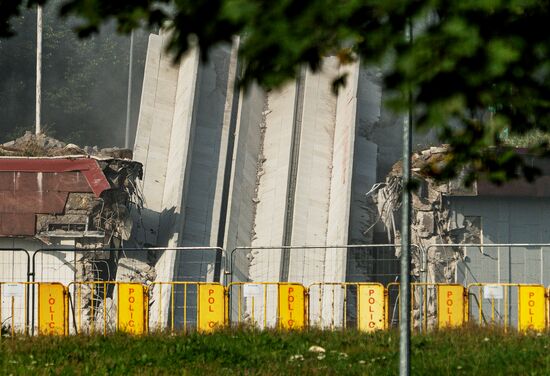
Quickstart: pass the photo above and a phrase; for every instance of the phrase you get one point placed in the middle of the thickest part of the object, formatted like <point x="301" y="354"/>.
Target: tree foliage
<point x="474" y="68"/>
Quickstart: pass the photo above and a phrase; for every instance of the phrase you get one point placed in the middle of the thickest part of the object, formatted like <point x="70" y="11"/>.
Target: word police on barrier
<point x="291" y="306"/>
<point x="532" y="308"/>
<point x="450" y="305"/>
<point x="371" y="307"/>
<point x="52" y="309"/>
<point x="132" y="308"/>
<point x="211" y="307"/>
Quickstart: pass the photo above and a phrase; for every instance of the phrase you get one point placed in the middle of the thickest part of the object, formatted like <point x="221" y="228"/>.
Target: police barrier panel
<point x="107" y="306"/>
<point x="268" y="304"/>
<point x="451" y="306"/>
<point x="133" y="308"/>
<point x="186" y="306"/>
<point x="432" y="305"/>
<point x="532" y="308"/>
<point x="52" y="309"/>
<point x="362" y="306"/>
<point x="292" y="306"/>
<point x="521" y="306"/>
<point x="212" y="307"/>
<point x="14" y="307"/>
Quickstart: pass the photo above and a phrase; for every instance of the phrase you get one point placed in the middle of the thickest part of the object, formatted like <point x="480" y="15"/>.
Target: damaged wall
<point x="447" y="212"/>
<point x="430" y="220"/>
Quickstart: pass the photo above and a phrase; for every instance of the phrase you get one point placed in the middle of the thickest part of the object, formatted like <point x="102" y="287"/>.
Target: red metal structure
<point x="30" y="186"/>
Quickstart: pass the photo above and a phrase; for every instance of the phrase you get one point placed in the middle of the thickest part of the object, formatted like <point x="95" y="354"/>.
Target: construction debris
<point x="430" y="221"/>
<point x="31" y="145"/>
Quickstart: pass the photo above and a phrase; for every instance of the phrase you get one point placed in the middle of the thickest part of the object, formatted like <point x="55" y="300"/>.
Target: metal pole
<point x="404" y="286"/>
<point x="129" y="99"/>
<point x="38" y="67"/>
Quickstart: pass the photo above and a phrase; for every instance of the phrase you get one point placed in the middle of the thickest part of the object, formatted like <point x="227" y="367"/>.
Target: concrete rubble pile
<point x="31" y="145"/>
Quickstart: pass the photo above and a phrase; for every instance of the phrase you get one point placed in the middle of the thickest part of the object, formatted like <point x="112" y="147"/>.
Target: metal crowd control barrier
<point x="362" y="305"/>
<point x="185" y="306"/>
<point x="500" y="262"/>
<point x="493" y="304"/>
<point x="280" y="305"/>
<point x="105" y="307"/>
<point x="15" y="265"/>
<point x="14" y="317"/>
<point x="52" y="308"/>
<point x="182" y="264"/>
<point x="369" y="262"/>
<point x="438" y="305"/>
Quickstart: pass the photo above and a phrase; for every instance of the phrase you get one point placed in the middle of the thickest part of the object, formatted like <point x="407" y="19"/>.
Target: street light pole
<point x="38" y="68"/>
<point x="404" y="285"/>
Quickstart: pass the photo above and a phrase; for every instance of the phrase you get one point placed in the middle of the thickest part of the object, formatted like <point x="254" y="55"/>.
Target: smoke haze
<point x="84" y="81"/>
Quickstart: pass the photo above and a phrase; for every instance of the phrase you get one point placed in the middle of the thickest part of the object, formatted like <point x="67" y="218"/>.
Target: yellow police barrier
<point x="267" y="304"/>
<point x="371" y="307"/>
<point x="52" y="309"/>
<point x="132" y="308"/>
<point x="532" y="308"/>
<point x="292" y="306"/>
<point x="432" y="304"/>
<point x="14" y="306"/>
<point x="188" y="305"/>
<point x="329" y="303"/>
<point x="451" y="305"/>
<point x="108" y="306"/>
<point x="211" y="307"/>
<point x="522" y="306"/>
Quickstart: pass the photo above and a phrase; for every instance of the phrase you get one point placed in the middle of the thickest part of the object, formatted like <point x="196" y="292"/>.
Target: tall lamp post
<point x="404" y="285"/>
<point x="38" y="129"/>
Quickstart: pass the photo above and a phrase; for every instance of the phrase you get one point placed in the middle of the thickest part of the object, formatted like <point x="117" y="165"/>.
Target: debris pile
<point x="431" y="222"/>
<point x="31" y="145"/>
<point x="106" y="218"/>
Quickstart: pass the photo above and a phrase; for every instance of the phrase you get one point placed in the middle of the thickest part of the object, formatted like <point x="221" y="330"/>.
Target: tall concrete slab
<point x="184" y="152"/>
<point x="185" y="148"/>
<point x="342" y="172"/>
<point x="154" y="134"/>
<point x="179" y="152"/>
<point x="314" y="170"/>
<point x="245" y="175"/>
<point x="273" y="188"/>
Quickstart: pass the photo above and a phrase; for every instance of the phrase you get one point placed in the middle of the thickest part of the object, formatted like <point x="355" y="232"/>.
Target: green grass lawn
<point x="471" y="351"/>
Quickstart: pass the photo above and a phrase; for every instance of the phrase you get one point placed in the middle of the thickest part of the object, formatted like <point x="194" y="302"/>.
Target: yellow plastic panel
<point x="450" y="305"/>
<point x="51" y="309"/>
<point x="131" y="308"/>
<point x="371" y="307"/>
<point x="211" y="307"/>
<point x="532" y="308"/>
<point x="291" y="306"/>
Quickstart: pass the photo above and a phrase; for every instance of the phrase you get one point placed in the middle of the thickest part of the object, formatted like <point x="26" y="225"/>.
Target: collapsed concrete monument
<point x="231" y="167"/>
